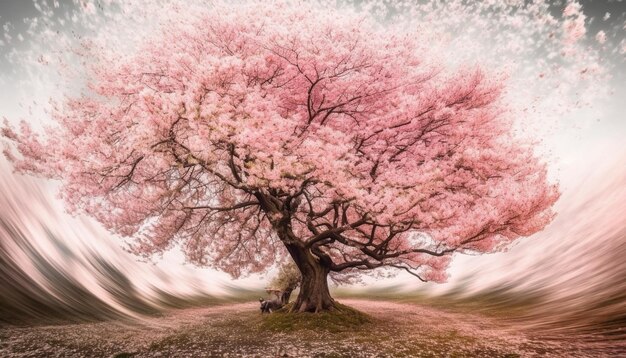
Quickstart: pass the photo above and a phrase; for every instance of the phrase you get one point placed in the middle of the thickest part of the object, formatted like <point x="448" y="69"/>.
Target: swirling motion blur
<point x="570" y="278"/>
<point x="57" y="268"/>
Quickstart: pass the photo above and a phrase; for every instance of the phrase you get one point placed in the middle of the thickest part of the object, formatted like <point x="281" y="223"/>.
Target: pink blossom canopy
<point x="226" y="125"/>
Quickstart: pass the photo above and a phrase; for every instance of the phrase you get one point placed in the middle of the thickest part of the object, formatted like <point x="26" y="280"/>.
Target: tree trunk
<point x="314" y="295"/>
<point x="285" y="296"/>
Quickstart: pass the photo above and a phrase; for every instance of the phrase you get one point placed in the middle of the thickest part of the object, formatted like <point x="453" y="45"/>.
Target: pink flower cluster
<point x="375" y="153"/>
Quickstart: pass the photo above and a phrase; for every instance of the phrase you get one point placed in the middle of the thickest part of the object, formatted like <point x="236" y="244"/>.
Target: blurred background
<point x="572" y="276"/>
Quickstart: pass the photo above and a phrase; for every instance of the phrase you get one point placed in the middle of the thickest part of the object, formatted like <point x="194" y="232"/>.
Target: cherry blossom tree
<point x="244" y="136"/>
<point x="286" y="281"/>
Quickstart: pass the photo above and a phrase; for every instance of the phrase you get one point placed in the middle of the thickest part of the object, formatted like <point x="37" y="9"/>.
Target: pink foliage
<point x="227" y="124"/>
<point x="574" y="25"/>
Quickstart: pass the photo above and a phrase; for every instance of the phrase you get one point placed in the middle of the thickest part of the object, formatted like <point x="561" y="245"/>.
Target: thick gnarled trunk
<point x="314" y="295"/>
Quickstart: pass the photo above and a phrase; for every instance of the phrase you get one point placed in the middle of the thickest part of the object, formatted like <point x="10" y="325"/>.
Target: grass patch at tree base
<point x="341" y="318"/>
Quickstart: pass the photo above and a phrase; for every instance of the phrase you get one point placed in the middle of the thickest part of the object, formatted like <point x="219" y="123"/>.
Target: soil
<point x="240" y="330"/>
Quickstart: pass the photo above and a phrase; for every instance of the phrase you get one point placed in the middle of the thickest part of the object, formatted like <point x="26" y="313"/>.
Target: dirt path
<point x="237" y="331"/>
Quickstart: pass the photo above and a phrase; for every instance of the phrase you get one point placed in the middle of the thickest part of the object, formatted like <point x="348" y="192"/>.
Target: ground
<point x="392" y="329"/>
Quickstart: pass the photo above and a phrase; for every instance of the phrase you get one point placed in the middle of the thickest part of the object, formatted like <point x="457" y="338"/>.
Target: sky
<point x="587" y="143"/>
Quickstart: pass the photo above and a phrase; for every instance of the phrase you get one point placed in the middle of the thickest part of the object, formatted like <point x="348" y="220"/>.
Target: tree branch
<point x="226" y="208"/>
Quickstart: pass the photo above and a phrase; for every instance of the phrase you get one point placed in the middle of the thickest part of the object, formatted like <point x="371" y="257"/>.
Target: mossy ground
<point x="340" y="319"/>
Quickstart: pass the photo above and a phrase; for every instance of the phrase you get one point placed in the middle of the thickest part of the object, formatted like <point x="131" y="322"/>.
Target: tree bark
<point x="285" y="296"/>
<point x="314" y="295"/>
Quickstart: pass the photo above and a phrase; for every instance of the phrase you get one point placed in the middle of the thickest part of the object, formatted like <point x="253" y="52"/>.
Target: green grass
<point x="341" y="319"/>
